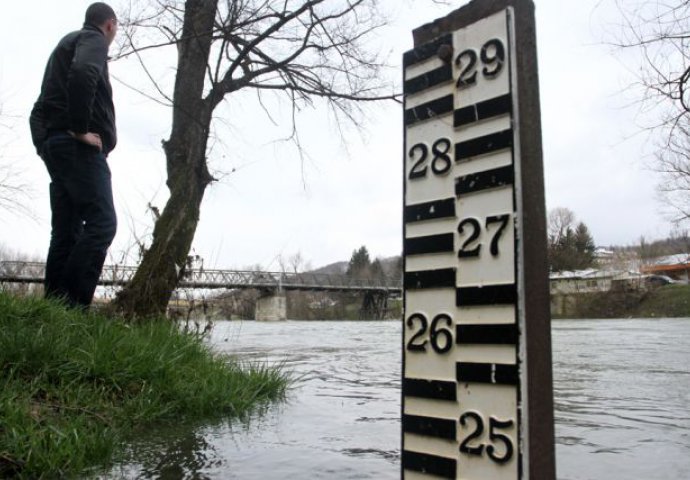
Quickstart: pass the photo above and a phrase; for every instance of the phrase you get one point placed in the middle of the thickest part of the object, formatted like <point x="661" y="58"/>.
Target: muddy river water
<point x="621" y="388"/>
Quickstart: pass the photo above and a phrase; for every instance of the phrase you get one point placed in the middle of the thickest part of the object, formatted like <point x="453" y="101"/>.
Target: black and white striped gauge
<point x="464" y="379"/>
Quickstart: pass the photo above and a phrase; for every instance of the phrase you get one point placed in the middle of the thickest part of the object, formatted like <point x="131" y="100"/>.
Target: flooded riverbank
<point x="622" y="390"/>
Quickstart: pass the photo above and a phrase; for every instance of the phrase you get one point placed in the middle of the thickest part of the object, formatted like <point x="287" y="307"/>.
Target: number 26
<point x="440" y="334"/>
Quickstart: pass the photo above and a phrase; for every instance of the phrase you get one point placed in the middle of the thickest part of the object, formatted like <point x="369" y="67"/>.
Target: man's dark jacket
<point x="76" y="94"/>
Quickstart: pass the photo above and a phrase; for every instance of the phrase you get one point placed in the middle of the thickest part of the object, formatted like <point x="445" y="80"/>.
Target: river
<point x="621" y="387"/>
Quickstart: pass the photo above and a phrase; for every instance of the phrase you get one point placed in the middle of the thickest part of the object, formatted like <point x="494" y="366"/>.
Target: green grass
<point x="666" y="301"/>
<point x="74" y="387"/>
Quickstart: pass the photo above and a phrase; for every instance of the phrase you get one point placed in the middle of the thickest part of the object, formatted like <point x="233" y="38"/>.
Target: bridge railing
<point x="117" y="275"/>
<point x="301" y="281"/>
<point x="21" y="271"/>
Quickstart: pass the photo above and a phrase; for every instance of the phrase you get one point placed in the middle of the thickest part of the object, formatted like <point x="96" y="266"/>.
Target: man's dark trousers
<point x="83" y="218"/>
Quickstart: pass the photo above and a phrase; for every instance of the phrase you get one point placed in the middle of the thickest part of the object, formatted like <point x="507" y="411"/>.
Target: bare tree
<point x="306" y="49"/>
<point x="559" y="220"/>
<point x="570" y="245"/>
<point x="673" y="163"/>
<point x="295" y="263"/>
<point x="660" y="32"/>
<point x="14" y="192"/>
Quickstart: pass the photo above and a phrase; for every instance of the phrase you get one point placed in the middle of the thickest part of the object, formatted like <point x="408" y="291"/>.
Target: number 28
<point x="441" y="161"/>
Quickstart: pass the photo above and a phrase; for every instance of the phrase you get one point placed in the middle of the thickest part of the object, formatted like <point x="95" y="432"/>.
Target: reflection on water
<point x="622" y="390"/>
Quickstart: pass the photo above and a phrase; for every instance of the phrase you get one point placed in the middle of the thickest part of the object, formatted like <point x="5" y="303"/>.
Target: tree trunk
<point x="158" y="274"/>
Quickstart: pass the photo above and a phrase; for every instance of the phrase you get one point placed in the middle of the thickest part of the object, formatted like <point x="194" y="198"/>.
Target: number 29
<point x="492" y="56"/>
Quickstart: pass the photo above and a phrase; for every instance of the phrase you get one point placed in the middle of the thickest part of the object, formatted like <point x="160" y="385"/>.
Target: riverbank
<point x="75" y="387"/>
<point x="668" y="301"/>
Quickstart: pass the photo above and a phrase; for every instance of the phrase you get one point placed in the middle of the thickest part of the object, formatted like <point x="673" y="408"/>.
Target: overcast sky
<point x="271" y="202"/>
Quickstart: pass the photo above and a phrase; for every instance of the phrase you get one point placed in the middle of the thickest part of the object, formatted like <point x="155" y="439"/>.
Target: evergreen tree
<point x="376" y="271"/>
<point x="584" y="246"/>
<point x="397" y="270"/>
<point x="360" y="263"/>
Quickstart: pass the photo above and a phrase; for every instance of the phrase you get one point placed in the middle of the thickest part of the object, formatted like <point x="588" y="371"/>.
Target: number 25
<point x="494" y="436"/>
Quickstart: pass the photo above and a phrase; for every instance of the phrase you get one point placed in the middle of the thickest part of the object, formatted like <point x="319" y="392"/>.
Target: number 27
<point x="471" y="248"/>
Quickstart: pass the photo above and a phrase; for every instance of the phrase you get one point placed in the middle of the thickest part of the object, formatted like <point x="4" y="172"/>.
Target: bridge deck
<point x="115" y="275"/>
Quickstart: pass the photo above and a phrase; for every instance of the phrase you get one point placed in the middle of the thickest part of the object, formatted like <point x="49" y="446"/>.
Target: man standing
<point x="73" y="130"/>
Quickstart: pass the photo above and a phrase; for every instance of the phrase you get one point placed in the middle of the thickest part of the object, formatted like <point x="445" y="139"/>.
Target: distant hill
<point x="390" y="266"/>
<point x="337" y="268"/>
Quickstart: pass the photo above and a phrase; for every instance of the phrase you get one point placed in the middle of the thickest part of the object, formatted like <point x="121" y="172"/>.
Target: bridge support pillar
<point x="271" y="307"/>
<point x="374" y="306"/>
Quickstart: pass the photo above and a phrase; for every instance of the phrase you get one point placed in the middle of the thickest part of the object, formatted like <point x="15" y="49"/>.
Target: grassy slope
<point x="666" y="301"/>
<point x="74" y="386"/>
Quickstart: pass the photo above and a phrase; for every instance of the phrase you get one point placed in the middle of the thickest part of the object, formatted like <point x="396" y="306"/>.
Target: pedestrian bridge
<point x="200" y="278"/>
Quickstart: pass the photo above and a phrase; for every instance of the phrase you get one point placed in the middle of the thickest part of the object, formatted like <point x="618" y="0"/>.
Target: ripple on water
<point x="622" y="390"/>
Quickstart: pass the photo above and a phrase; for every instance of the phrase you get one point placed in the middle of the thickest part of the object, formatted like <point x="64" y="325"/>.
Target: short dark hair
<point x="98" y="13"/>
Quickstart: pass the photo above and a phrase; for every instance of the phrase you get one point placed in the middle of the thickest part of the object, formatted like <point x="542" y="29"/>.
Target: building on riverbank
<point x="592" y="281"/>
<point x="567" y="287"/>
<point x="676" y="267"/>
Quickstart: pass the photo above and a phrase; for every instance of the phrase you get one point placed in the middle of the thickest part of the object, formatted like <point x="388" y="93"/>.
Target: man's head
<point x="102" y="16"/>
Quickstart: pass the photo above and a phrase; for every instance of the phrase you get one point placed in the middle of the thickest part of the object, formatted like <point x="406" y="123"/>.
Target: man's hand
<point x="88" y="138"/>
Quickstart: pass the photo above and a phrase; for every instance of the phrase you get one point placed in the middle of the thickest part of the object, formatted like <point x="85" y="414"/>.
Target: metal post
<point x="477" y="379"/>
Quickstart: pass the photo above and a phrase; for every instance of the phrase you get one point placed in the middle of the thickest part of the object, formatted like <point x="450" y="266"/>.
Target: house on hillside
<point x="604" y="256"/>
<point x="675" y="266"/>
